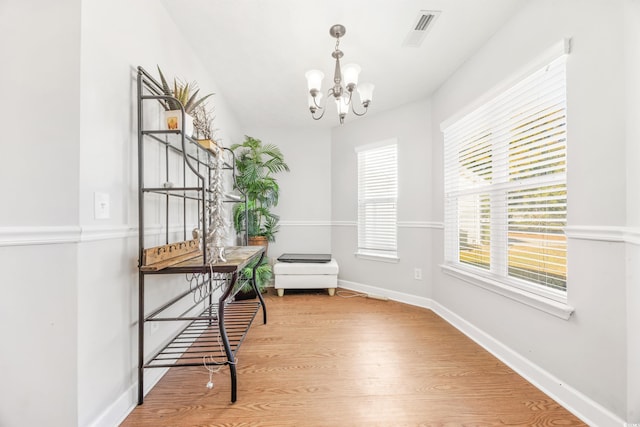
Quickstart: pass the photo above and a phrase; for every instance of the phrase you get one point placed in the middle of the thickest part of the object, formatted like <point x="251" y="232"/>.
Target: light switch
<point x="101" y="205"/>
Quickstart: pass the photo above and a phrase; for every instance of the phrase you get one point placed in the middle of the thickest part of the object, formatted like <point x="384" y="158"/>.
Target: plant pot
<point x="259" y="241"/>
<point x="173" y="121"/>
<point x="250" y="294"/>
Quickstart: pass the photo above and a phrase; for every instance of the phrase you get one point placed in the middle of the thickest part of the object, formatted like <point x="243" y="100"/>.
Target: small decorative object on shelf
<point x="203" y="127"/>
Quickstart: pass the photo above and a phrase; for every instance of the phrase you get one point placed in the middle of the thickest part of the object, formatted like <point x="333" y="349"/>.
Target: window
<point x="505" y="186"/>
<point x="377" y="199"/>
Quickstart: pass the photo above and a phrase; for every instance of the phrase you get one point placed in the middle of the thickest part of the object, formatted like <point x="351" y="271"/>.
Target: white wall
<point x="412" y="127"/>
<point x="39" y="169"/>
<point x="589" y="351"/>
<point x="305" y="192"/>
<point x="40" y="75"/>
<point x="632" y="67"/>
<point x="69" y="304"/>
<point x="114" y="44"/>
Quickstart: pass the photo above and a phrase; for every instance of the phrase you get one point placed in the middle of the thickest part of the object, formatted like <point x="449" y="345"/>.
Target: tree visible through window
<point x="505" y="184"/>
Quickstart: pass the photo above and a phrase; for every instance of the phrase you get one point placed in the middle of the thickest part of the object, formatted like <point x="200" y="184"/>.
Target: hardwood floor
<point x="333" y="361"/>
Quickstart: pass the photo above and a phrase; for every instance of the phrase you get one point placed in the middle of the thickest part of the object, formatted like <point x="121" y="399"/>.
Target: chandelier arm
<point x="319" y="107"/>
<point x="319" y="117"/>
<point x="359" y="114"/>
<point x="316" y="104"/>
<point x="350" y="96"/>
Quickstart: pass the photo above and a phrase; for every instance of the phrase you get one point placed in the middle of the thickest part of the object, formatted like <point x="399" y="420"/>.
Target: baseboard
<point x="392" y="295"/>
<point x="583" y="407"/>
<point x="116" y="413"/>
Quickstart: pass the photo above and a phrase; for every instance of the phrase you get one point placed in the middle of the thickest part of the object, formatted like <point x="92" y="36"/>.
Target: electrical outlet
<point x="417" y="273"/>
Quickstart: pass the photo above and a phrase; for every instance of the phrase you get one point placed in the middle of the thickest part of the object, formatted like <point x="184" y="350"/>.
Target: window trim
<point x="551" y="306"/>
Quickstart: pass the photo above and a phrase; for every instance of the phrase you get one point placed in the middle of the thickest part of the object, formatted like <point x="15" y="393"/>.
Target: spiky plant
<point x="186" y="94"/>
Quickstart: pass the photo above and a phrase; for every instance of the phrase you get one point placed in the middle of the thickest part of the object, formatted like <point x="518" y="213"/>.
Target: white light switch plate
<point x="101" y="205"/>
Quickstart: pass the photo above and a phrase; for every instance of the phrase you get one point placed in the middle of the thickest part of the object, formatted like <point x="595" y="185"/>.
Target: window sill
<point x="547" y="305"/>
<point x="377" y="257"/>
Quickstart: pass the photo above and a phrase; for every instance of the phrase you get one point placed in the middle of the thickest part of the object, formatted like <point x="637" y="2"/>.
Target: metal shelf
<point x="201" y="337"/>
<point x="218" y="330"/>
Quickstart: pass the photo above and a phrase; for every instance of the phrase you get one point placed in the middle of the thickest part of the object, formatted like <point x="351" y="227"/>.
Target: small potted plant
<point x="187" y="99"/>
<point x="256" y="163"/>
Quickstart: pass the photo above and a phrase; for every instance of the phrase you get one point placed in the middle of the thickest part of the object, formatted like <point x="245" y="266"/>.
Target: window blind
<point x="505" y="184"/>
<point x="377" y="200"/>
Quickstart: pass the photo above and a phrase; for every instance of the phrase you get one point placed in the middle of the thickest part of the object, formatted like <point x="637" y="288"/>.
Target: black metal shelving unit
<point x="213" y="324"/>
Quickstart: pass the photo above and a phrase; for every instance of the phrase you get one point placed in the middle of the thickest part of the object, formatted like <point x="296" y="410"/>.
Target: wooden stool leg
<point x="280" y="292"/>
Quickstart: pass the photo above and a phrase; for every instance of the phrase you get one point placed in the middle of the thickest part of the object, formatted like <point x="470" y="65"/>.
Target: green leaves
<point x="255" y="164"/>
<point x="264" y="273"/>
<point x="169" y="104"/>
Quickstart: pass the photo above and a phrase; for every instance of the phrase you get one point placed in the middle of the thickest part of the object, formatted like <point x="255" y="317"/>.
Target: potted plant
<point x="187" y="99"/>
<point x="256" y="163"/>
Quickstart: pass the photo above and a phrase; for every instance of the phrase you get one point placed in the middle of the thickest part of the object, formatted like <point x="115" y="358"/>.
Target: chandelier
<point x="342" y="94"/>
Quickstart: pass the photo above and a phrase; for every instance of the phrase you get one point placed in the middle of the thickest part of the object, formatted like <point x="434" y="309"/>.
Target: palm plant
<point x="264" y="273"/>
<point x="255" y="164"/>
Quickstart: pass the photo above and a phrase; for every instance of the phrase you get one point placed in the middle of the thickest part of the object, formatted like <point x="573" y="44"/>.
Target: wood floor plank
<point x="332" y="361"/>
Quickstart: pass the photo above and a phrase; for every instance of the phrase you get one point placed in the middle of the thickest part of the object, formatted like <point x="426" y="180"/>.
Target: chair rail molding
<point x="604" y="233"/>
<point x="400" y="224"/>
<point x="312" y="223"/>
<point x="421" y="224"/>
<point x="39" y="235"/>
<point x="64" y="234"/>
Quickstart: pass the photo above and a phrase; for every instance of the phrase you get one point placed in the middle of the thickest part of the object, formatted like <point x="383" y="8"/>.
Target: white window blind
<point x="377" y="199"/>
<point x="505" y="185"/>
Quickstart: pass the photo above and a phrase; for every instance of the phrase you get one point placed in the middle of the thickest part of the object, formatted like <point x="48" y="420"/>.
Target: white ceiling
<point x="258" y="50"/>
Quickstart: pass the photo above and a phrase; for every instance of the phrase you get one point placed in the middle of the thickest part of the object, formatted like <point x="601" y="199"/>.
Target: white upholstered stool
<point x="306" y="275"/>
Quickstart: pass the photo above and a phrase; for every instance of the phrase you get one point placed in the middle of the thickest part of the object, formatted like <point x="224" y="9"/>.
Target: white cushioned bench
<point x="306" y="275"/>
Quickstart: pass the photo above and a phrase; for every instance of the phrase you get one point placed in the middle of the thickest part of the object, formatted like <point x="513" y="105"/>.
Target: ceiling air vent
<point x="422" y="24"/>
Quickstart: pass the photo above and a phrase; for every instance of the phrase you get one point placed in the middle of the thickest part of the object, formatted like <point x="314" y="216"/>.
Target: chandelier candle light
<point x="343" y="95"/>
